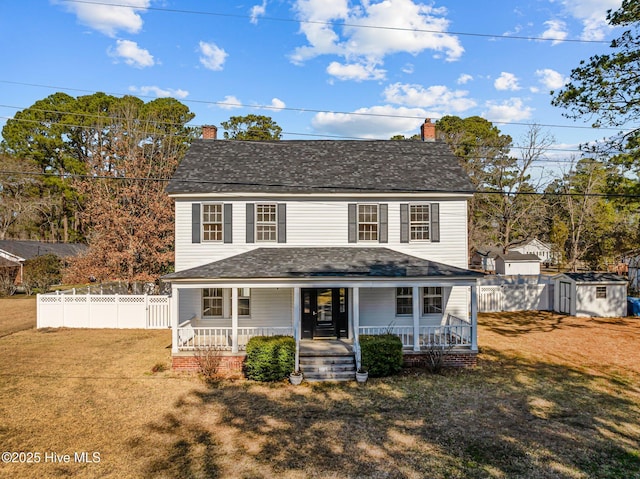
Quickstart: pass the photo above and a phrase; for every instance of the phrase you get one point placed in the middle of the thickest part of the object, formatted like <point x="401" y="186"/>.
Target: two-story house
<point x="321" y="239"/>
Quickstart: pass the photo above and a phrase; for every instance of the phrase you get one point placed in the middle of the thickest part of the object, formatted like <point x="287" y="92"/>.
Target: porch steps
<point x="322" y="367"/>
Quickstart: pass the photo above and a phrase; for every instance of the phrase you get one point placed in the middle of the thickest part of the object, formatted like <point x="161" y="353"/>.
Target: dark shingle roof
<point x="318" y="166"/>
<point x="31" y="249"/>
<point x="517" y="256"/>
<point x="595" y="277"/>
<point x="323" y="262"/>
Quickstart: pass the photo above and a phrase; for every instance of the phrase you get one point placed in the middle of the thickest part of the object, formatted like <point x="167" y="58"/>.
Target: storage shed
<point x="517" y="263"/>
<point x="590" y="294"/>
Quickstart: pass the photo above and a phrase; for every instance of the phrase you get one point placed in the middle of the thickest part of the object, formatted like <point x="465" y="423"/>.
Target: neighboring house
<point x="485" y="259"/>
<point x="535" y="246"/>
<point x="322" y="239"/>
<point x="513" y="263"/>
<point x="13" y="253"/>
<point x="590" y="294"/>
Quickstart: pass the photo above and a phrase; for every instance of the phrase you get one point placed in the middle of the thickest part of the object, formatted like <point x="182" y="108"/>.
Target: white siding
<point x="323" y="222"/>
<point x="614" y="305"/>
<point x="517" y="267"/>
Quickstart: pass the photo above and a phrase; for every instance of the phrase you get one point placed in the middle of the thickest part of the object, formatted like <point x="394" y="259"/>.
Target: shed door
<point x="565" y="297"/>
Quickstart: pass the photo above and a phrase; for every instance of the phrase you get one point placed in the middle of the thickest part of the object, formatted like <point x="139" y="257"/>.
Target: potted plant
<point x="295" y="377"/>
<point x="362" y="375"/>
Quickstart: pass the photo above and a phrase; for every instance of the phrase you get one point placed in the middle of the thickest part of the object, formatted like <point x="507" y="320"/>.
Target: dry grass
<point x="17" y="313"/>
<point x="553" y="397"/>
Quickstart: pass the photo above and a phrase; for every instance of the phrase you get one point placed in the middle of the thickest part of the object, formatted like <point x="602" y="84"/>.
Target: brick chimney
<point x="209" y="132"/>
<point x="428" y="130"/>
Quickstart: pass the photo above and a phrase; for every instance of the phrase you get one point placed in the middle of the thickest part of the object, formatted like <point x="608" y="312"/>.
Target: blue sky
<point x="312" y="64"/>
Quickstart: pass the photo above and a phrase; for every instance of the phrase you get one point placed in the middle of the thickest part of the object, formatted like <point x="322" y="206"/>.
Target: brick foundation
<point x="228" y="364"/>
<point x="452" y="359"/>
<point x="233" y="364"/>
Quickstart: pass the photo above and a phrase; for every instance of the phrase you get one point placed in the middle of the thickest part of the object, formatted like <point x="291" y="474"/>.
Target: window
<point x="266" y="222"/>
<point x="419" y="222"/>
<point x="432" y="300"/>
<point x="404" y="301"/>
<point x="212" y="222"/>
<point x="244" y="302"/>
<point x="212" y="300"/>
<point x="601" y="291"/>
<point x="367" y="222"/>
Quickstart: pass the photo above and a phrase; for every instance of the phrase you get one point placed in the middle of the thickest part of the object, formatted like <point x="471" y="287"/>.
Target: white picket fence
<point x="103" y="311"/>
<point x="515" y="297"/>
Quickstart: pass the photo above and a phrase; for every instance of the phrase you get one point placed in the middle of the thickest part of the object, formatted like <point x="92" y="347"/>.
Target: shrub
<point x="381" y="354"/>
<point x="269" y="358"/>
<point x="40" y="273"/>
<point x="208" y="360"/>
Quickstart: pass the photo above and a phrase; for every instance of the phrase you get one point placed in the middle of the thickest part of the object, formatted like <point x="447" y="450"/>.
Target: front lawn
<point x="553" y="397"/>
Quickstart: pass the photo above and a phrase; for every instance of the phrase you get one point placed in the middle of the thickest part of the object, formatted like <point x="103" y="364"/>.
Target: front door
<point x="324" y="313"/>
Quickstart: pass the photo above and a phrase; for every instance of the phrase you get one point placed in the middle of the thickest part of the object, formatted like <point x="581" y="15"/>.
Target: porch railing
<point x="191" y="337"/>
<point x="455" y="332"/>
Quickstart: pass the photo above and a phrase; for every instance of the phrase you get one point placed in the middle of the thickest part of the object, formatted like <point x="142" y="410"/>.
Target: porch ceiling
<point x="338" y="262"/>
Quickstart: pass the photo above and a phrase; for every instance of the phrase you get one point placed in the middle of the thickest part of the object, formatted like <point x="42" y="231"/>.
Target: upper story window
<point x="212" y="222"/>
<point x="367" y="222"/>
<point x="266" y="222"/>
<point x="420" y="220"/>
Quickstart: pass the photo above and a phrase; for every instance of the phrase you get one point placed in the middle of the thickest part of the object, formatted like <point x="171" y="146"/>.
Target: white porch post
<point x="415" y="297"/>
<point x="355" y="293"/>
<point x="297" y="315"/>
<point x="175" y="319"/>
<point x="474" y="318"/>
<point x="234" y="320"/>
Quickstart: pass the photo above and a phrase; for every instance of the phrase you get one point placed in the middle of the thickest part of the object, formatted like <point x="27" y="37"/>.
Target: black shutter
<point x="435" y="222"/>
<point x="383" y="223"/>
<point x="251" y="223"/>
<point x="228" y="223"/>
<point x="404" y="223"/>
<point x="282" y="222"/>
<point x="195" y="222"/>
<point x="353" y="223"/>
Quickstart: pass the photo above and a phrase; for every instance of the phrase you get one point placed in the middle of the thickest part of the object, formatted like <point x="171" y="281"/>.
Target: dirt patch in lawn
<point x="528" y="411"/>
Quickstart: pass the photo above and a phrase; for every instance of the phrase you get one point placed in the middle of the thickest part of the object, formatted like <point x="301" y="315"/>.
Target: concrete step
<point x="328" y="368"/>
<point x="333" y="376"/>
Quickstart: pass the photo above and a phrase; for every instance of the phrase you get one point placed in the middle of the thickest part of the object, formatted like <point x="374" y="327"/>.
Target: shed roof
<point x="591" y="277"/>
<point x="323" y="262"/>
<point x="319" y="166"/>
<point x="515" y="256"/>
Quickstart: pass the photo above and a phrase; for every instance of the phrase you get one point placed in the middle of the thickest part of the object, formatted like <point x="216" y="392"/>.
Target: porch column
<point x="175" y="319"/>
<point x="297" y="315"/>
<point x="474" y="318"/>
<point x="234" y="320"/>
<point x="415" y="297"/>
<point x="355" y="300"/>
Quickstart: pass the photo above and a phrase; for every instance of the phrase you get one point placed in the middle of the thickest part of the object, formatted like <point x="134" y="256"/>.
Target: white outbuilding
<point x="590" y="294"/>
<point x="514" y="263"/>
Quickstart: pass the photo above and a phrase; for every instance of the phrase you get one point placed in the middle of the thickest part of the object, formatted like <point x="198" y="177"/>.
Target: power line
<point x="350" y="25"/>
<point x="320" y="187"/>
<point x="300" y="110"/>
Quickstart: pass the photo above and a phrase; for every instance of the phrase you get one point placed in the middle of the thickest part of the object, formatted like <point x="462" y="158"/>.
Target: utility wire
<point x="301" y="110"/>
<point x="320" y="187"/>
<point x="350" y="25"/>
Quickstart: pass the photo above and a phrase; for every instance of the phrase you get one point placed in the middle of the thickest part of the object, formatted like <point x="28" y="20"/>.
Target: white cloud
<point x="408" y="68"/>
<point x="277" y="104"/>
<point x="506" y="81"/>
<point x="230" y="102"/>
<point x="436" y="97"/>
<point x="592" y="14"/>
<point x="551" y="79"/>
<point x="258" y="11"/>
<point x="507" y="111"/>
<point x="110" y="16"/>
<point x="556" y="29"/>
<point x="213" y="57"/>
<point x="132" y="54"/>
<point x="159" y="92"/>
<point x="355" y="71"/>
<point x="377" y="122"/>
<point x="369" y="46"/>
<point x="464" y="79"/>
